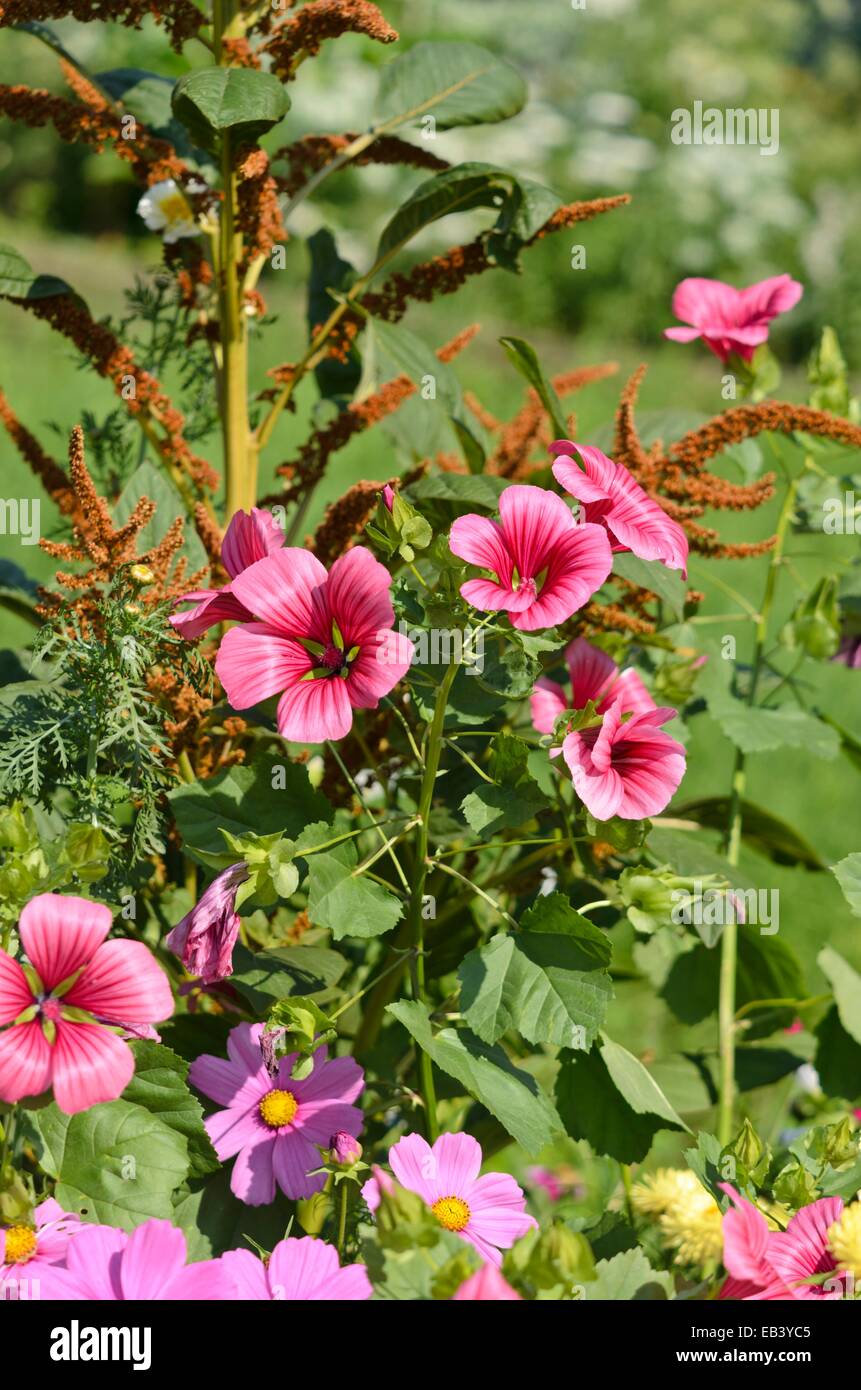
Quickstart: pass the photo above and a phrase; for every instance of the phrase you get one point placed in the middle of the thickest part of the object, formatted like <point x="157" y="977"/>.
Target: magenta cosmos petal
<point x="309" y="1269"/>
<point x="486" y="1285"/>
<point x="60" y="934"/>
<point x="611" y="497"/>
<point x="629" y="769"/>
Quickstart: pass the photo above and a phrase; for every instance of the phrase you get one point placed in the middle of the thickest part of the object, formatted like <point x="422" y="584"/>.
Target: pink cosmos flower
<point x="273" y="1123"/>
<point x="24" y="1249"/>
<point x="489" y="1212"/>
<point x="324" y="641"/>
<point x="304" y="1269"/>
<point x="730" y="320"/>
<point x="768" y="1265"/>
<point x="628" y="768"/>
<point x="594" y="676"/>
<point x="545" y="565"/>
<point x="205" y="938"/>
<point x="73" y="968"/>
<point x="611" y="498"/>
<point x="106" y="1264"/>
<point x="486" y="1285"/>
<point x="248" y="538"/>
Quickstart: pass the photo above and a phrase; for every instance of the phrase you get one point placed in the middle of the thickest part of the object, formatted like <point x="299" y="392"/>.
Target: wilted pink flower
<point x="489" y="1212"/>
<point x="486" y="1285"/>
<point x="24" y="1249"/>
<point x="628" y="768"/>
<point x="275" y="1124"/>
<point x="768" y="1265"/>
<point x="611" y="498"/>
<point x="249" y="537"/>
<point x="106" y="1264"/>
<point x="205" y="938"/>
<point x="544" y="565"/>
<point x="730" y="320"/>
<point x="73" y="968"/>
<point x="344" y="1149"/>
<point x="594" y="676"/>
<point x="324" y="641"/>
<point x="304" y="1269"/>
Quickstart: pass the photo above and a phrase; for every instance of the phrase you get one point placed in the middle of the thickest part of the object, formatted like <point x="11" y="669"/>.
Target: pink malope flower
<point x="24" y="1249"/>
<point x="248" y="538"/>
<point x="324" y="642"/>
<point x="486" y="1285"/>
<point x="104" y="1264"/>
<point x="72" y="968"/>
<point x="547" y="1180"/>
<point x="611" y="498"/>
<point x="205" y="938"/>
<point x="304" y="1269"/>
<point x="628" y="768"/>
<point x="730" y="320"/>
<point x="544" y="565"/>
<point x="275" y="1124"/>
<point x="594" y="676"/>
<point x="389" y="496"/>
<point x="766" y="1265"/>
<point x="488" y="1212"/>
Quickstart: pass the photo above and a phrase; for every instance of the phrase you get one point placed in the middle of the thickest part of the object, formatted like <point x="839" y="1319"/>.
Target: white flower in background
<point x="165" y="208"/>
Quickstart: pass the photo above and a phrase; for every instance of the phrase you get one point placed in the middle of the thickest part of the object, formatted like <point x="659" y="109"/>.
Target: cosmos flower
<point x="275" y="1124"/>
<point x="543" y="565"/>
<point x="65" y="1006"/>
<point x="610" y="497"/>
<point x="165" y="208"/>
<point x="25" y="1248"/>
<point x="324" y="642"/>
<point x="488" y="1212"/>
<point x="730" y="320"/>
<point x="304" y="1269"/>
<point x="104" y="1264"/>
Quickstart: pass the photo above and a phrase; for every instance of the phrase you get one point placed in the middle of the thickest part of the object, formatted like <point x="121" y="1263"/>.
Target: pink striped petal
<point x="768" y="298"/>
<point x="15" y="992"/>
<point x="576" y="569"/>
<point x="25" y="1062"/>
<point x="383" y="661"/>
<point x="802" y="1249"/>
<point x="123" y="983"/>
<point x="546" y="703"/>
<point x="535" y="521"/>
<point x="745" y="1240"/>
<point x="287" y="590"/>
<point x="210" y="606"/>
<point x="315" y="710"/>
<point x="359" y="595"/>
<point x="248" y="538"/>
<point x="60" y="934"/>
<point x="591" y="671"/>
<point x="482" y="542"/>
<point x="90" y="1065"/>
<point x="255" y="661"/>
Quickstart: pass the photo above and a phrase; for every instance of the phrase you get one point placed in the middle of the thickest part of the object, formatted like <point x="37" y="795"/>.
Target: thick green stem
<point x="415" y="917"/>
<point x="727" y="1022"/>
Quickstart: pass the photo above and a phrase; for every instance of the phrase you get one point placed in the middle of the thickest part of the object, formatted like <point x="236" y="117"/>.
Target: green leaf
<point x="515" y="796"/>
<point x="329" y="271"/>
<point x="762" y="830"/>
<point x="149" y="481"/>
<point x="240" y="100"/>
<point x="541" y="984"/>
<point x="159" y="1085"/>
<point x="757" y="730"/>
<point x="628" y="1276"/>
<point x="636" y="1084"/>
<point x="509" y="1093"/>
<point x="668" y="584"/>
<point x="691" y="858"/>
<point x="116" y="1164"/>
<point x="347" y="905"/>
<point x="848" y="875"/>
<point x="284" y="972"/>
<point x="508" y="669"/>
<point x="846" y="984"/>
<point x="460" y="84"/>
<point x="838" y="1058"/>
<point x="768" y="968"/>
<point x="525" y="359"/>
<point x="19" y="281"/>
<point x="553" y="913"/>
<point x="467" y="493"/>
<point x="214" y="1220"/>
<point x="593" y="1107"/>
<point x="272" y="794"/>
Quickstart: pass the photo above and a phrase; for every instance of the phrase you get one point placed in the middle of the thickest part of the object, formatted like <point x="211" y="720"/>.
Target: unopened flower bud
<point x="142" y="574"/>
<point x="344" y="1149"/>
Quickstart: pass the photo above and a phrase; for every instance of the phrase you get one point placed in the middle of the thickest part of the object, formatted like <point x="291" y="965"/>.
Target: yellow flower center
<point x="175" y="208"/>
<point x="844" y="1238"/>
<point x="451" y="1212"/>
<point x="20" y="1244"/>
<point x="278" y="1108"/>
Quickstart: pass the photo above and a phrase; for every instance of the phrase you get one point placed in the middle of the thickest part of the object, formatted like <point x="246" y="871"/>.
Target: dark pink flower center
<point x="50" y="1008"/>
<point x="333" y="657"/>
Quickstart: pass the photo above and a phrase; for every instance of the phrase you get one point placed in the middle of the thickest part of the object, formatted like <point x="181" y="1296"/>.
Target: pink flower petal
<point x="210" y="606"/>
<point x="482" y="542"/>
<point x="123" y="983"/>
<point x="255" y="661"/>
<point x="768" y="298"/>
<point x="287" y="590"/>
<point x="315" y="710"/>
<point x="546" y="703"/>
<point x="591" y="671"/>
<point x="293" y="1158"/>
<point x="383" y="660"/>
<point x="340" y="1078"/>
<point x="359" y="595"/>
<point x="486" y="1284"/>
<point x="248" y="1273"/>
<point x="253" y="1176"/>
<point x="94" y="1262"/>
<point x="60" y="934"/>
<point x="802" y="1249"/>
<point x="202" y="1281"/>
<point x="155" y="1253"/>
<point x="415" y="1167"/>
<point x="458" y="1159"/>
<point x="25" y="1062"/>
<point x="89" y="1065"/>
<point x="15" y="992"/>
<point x="577" y="567"/>
<point x="248" y="538"/>
<point x="745" y="1240"/>
<point x="309" y="1269"/>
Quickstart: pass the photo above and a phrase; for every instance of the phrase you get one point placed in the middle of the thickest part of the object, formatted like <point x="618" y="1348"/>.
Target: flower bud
<point x="344" y="1149"/>
<point x="142" y="574"/>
